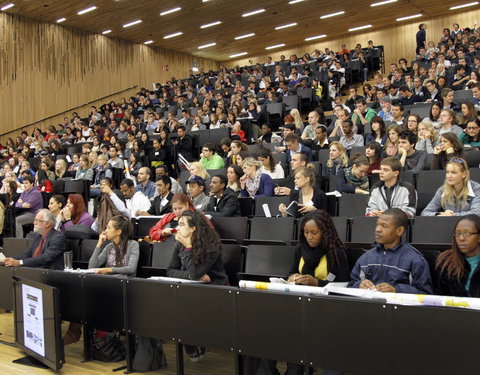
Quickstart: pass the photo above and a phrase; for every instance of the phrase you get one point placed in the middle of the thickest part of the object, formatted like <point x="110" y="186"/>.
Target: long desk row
<point x="351" y="335"/>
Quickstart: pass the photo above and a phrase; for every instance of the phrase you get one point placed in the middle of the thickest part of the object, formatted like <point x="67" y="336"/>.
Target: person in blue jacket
<point x="254" y="183"/>
<point x="392" y="266"/>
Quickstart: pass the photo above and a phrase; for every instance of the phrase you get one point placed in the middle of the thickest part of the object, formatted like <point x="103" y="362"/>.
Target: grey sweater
<point x="100" y="256"/>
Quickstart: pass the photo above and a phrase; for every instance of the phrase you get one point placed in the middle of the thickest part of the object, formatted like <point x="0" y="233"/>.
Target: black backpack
<point x="149" y="355"/>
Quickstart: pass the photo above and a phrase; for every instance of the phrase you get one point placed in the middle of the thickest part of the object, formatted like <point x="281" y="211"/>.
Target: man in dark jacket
<point x="392" y="266"/>
<point x="161" y="203"/>
<point x="223" y="201"/>
<point x="184" y="143"/>
<point x="47" y="248"/>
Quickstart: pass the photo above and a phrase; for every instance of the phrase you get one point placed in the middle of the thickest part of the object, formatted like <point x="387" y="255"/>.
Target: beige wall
<point x="46" y="69"/>
<point x="399" y="40"/>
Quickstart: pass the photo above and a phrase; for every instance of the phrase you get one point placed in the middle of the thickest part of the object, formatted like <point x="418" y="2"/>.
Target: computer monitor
<point x="38" y="322"/>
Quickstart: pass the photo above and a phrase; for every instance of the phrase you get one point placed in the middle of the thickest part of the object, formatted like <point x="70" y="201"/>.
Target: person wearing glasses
<point x="210" y="159"/>
<point x="470" y="137"/>
<point x="47" y="248"/>
<point x="459" y="196"/>
<point x="458" y="271"/>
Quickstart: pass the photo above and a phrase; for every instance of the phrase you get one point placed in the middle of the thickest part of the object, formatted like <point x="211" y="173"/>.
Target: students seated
<point x="458" y="271"/>
<point x="448" y="148"/>
<point x="354" y="180"/>
<point x="459" y="196"/>
<point x="373" y="152"/>
<point x="470" y="137"/>
<point x="391" y="192"/>
<point x="223" y="200"/>
<point x="338" y="159"/>
<point x="427" y="137"/>
<point x="392" y="266"/>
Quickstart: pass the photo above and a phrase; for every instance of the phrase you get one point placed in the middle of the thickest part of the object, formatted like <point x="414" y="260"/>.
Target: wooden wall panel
<point x="398" y="40"/>
<point x="46" y="69"/>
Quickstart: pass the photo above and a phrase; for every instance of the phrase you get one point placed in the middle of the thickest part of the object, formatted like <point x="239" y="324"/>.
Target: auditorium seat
<point x="161" y="254"/>
<point x="351" y="205"/>
<point x="352" y="255"/>
<point x="423" y="199"/>
<point x="433" y="229"/>
<point x="87" y="248"/>
<point x="265" y="261"/>
<point x="231" y="229"/>
<point x="275" y="230"/>
<point x="473" y="158"/>
<point x="233" y="260"/>
<point x="430" y="180"/>
<point x="143" y="226"/>
<point x="14" y="246"/>
<point x="363" y="230"/>
<point x="272" y="202"/>
<point x="247" y="206"/>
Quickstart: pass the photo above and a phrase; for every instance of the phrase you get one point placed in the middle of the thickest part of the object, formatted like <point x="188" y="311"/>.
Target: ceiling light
<point x="360" y="28"/>
<point x="172" y="35"/>
<point x="295" y="1"/>
<point x="106" y="32"/>
<point x="148" y="42"/>
<point x="315" y="37"/>
<point x="285" y="26"/>
<point x="132" y="23"/>
<point x="170" y="11"/>
<point x="332" y="14"/>
<point x="464" y="5"/>
<point x="86" y="10"/>
<point x="382" y="3"/>
<point x="60" y="20"/>
<point x="5" y="7"/>
<point x="211" y="24"/>
<point x="409" y="17"/>
<point x="244" y="36"/>
<point x="254" y="12"/>
<point x="275" y="46"/>
<point x="238" y="54"/>
<point x="207" y="45"/>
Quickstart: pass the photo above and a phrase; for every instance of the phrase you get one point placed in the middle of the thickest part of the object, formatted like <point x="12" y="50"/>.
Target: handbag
<point x="107" y="347"/>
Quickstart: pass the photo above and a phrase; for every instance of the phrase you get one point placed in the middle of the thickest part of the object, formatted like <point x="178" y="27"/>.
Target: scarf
<point x="311" y="257"/>
<point x="106" y="210"/>
<point x="253" y="185"/>
<point x="361" y="183"/>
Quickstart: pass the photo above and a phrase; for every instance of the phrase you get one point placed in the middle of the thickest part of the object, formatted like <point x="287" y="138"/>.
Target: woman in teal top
<point x="470" y="137"/>
<point x="458" y="271"/>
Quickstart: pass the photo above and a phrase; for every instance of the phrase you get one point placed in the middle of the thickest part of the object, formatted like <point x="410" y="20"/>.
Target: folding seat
<point x="264" y="261"/>
<point x="231" y="229"/>
<point x="14" y="246"/>
<point x="143" y="226"/>
<point x="352" y="205"/>
<point x="473" y="159"/>
<point x="272" y="202"/>
<point x="430" y="180"/>
<point x="435" y="230"/>
<point x="233" y="260"/>
<point x="462" y="95"/>
<point x="275" y="230"/>
<point x="291" y="102"/>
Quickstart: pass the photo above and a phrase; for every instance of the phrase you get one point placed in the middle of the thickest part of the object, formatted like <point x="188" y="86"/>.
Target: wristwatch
<point x="21" y="262"/>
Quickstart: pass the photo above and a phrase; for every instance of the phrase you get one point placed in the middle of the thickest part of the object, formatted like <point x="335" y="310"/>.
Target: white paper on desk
<point x="336" y="193"/>
<point x="81" y="271"/>
<point x="2" y="258"/>
<point x="266" y="210"/>
<point x="355" y="292"/>
<point x="69" y="159"/>
<point x="175" y="280"/>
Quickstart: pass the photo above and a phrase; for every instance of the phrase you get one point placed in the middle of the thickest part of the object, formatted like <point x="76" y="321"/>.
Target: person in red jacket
<point x="43" y="183"/>
<point x="167" y="224"/>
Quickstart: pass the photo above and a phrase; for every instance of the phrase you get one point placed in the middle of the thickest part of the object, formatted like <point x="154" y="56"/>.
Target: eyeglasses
<point x="472" y="127"/>
<point x="467" y="235"/>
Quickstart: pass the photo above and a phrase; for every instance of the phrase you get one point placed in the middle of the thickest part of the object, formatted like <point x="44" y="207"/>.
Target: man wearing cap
<point x="196" y="188"/>
<point x="386" y="112"/>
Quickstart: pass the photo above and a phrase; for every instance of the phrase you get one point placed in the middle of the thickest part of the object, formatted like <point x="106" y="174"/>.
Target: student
<point x="391" y="145"/>
<point x="254" y="183"/>
<point x="459" y="196"/>
<point x="411" y="159"/>
<point x="120" y="255"/>
<point x="350" y="140"/>
<point x="161" y="203"/>
<point x="470" y="137"/>
<point x="449" y="148"/>
<point x="354" y="180"/>
<point x="392" y="266"/>
<point x="210" y="159"/>
<point x="373" y="152"/>
<point x="391" y="192"/>
<point x="274" y="170"/>
<point x="134" y="200"/>
<point x="223" y="200"/>
<point x="197" y="256"/>
<point x="196" y="192"/>
<point x="458" y="271"/>
<point x="427" y="137"/>
<point x="337" y="160"/>
<point x="378" y="131"/>
<point x="309" y="198"/>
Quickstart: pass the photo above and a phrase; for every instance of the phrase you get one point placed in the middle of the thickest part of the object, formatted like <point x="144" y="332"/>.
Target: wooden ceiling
<point x="112" y="14"/>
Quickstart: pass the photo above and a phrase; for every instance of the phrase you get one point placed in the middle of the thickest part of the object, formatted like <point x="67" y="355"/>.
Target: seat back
<point x="351" y="205"/>
<point x="272" y="228"/>
<point x="162" y="253"/>
<point x="247" y="206"/>
<point x="143" y="226"/>
<point x="272" y="203"/>
<point x="430" y="180"/>
<point x="87" y="249"/>
<point x="232" y="257"/>
<point x="269" y="260"/>
<point x="15" y="246"/>
<point x="231" y="228"/>
<point x="363" y="230"/>
<point x="433" y="229"/>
